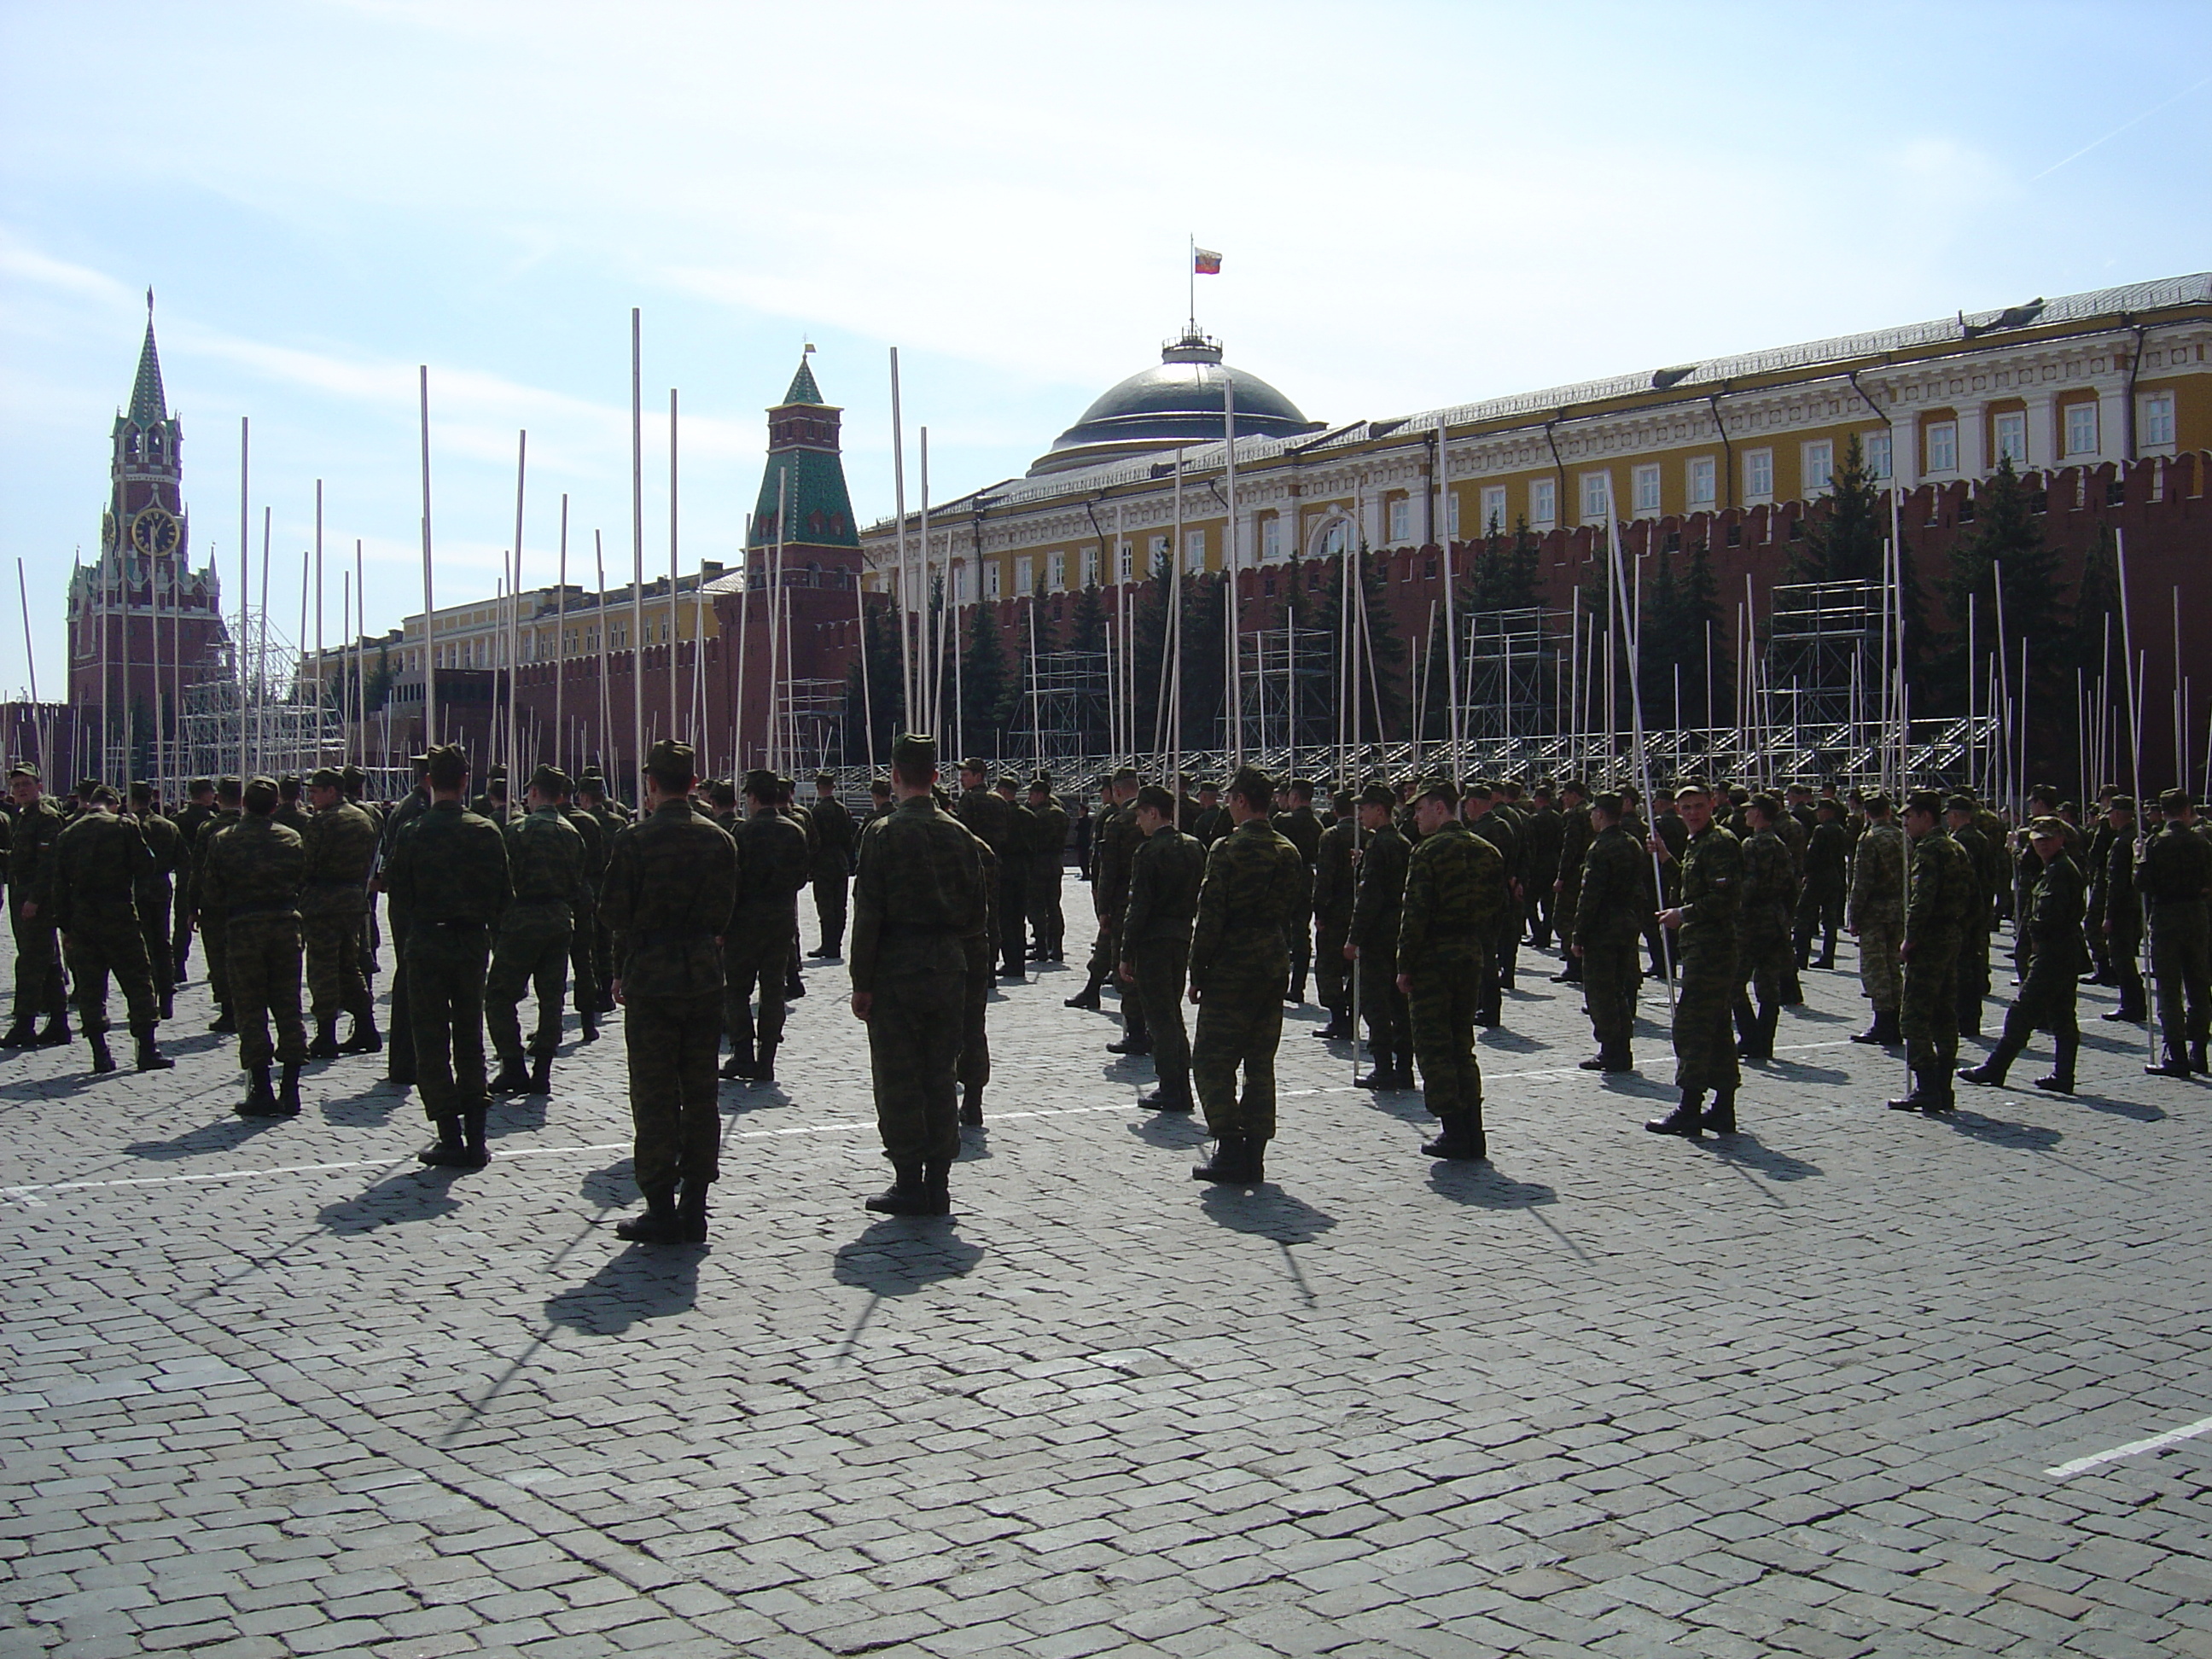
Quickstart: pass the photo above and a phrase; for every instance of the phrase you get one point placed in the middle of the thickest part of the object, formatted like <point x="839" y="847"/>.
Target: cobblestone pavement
<point x="275" y="1389"/>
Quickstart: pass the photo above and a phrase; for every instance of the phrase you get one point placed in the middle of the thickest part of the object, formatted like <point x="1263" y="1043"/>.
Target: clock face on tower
<point x="154" y="531"/>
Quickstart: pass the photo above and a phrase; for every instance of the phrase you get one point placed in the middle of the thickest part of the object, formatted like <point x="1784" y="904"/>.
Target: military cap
<point x="1930" y="801"/>
<point x="1105" y="780"/>
<point x="672" y="757"/>
<point x="447" y="764"/>
<point x="1691" y="786"/>
<point x="1767" y="802"/>
<point x="101" y="792"/>
<point x="550" y="780"/>
<point x="1378" y="794"/>
<point x="260" y="793"/>
<point x="24" y="769"/>
<point x="85" y="786"/>
<point x="1008" y="780"/>
<point x="2121" y="803"/>
<point x="914" y="750"/>
<point x="1738" y="795"/>
<point x="1959" y="803"/>
<point x="199" y="786"/>
<point x="1157" y="799"/>
<point x="1040" y="785"/>
<point x="1607" y="802"/>
<point x="2046" y="829"/>
<point x="1574" y="786"/>
<point x="351" y="777"/>
<point x="1125" y="774"/>
<point x="761" y="784"/>
<point x="973" y="763"/>
<point x="1442" y="789"/>
<point x="1875" y="802"/>
<point x="1480" y="790"/>
<point x="1209" y="787"/>
<point x="1249" y="782"/>
<point x="141" y="790"/>
<point x="498" y="769"/>
<point x="420" y="763"/>
<point x="879" y="786"/>
<point x="2176" y="800"/>
<point x="226" y="788"/>
<point x="720" y="791"/>
<point x="1663" y="792"/>
<point x="327" y="777"/>
<point x="591" y="774"/>
<point x="829" y="778"/>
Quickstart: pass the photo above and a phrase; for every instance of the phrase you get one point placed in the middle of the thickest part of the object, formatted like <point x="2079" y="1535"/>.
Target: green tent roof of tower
<point x="803" y="389"/>
<point x="147" y="405"/>
<point x="820" y="505"/>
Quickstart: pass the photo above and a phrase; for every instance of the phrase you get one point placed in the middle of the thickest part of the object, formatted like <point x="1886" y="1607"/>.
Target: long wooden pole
<point x="675" y="728"/>
<point x="514" y="627"/>
<point x="1232" y="680"/>
<point x="560" y="644"/>
<point x="261" y="654"/>
<point x="636" y="552"/>
<point x="603" y="747"/>
<point x="1451" y="614"/>
<point x="902" y="590"/>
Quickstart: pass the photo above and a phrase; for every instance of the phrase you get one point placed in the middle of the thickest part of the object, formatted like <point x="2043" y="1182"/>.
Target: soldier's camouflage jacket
<point x="1254" y="895"/>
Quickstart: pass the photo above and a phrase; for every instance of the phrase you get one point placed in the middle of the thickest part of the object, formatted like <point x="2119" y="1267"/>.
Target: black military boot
<point x="1991" y="1072"/>
<point x="150" y="1057"/>
<point x="57" y="1034"/>
<point x="1686" y="1119"/>
<point x="1255" y="1160"/>
<point x="1339" y="1029"/>
<point x="1457" y="1139"/>
<point x="1297" y="994"/>
<point x="23" y="1034"/>
<point x="260" y="1099"/>
<point x="365" y="1038"/>
<point x="590" y="1022"/>
<point x="907" y="1195"/>
<point x="1404" y="1070"/>
<point x="793" y="987"/>
<point x="691" y="1211"/>
<point x="169" y="1004"/>
<point x="971" y="1106"/>
<point x="1227" y="1164"/>
<point x="513" y="1076"/>
<point x="2199" y="1061"/>
<point x="2061" y="1081"/>
<point x="288" y="1091"/>
<point x="450" y="1150"/>
<point x="541" y="1075"/>
<point x="1172" y="1096"/>
<point x="1885" y="1030"/>
<point x="2176" y="1064"/>
<point x="2129" y="1012"/>
<point x="326" y="1045"/>
<point x="476" y="1148"/>
<point x="739" y="1064"/>
<point x="1384" y="1074"/>
<point x="1570" y="974"/>
<point x="1719" y="1118"/>
<point x="223" y="1024"/>
<point x="937" y="1187"/>
<point x="102" y="1059"/>
<point x="661" y="1223"/>
<point x="764" y="1066"/>
<point x="1086" y="998"/>
<point x="1930" y="1096"/>
<point x="1136" y="1042"/>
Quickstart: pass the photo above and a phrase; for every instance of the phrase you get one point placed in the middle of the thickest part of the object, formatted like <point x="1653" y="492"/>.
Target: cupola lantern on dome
<point x="1181" y="402"/>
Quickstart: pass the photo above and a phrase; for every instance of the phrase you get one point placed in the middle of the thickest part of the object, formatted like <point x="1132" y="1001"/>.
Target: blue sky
<point x="1419" y="204"/>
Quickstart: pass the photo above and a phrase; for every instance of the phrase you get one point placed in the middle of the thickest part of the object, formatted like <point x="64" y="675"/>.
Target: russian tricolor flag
<point x="1205" y="262"/>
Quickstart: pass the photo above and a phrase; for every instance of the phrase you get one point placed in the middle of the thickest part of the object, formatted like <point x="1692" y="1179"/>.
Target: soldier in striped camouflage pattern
<point x="1455" y="903"/>
<point x="1704" y="922"/>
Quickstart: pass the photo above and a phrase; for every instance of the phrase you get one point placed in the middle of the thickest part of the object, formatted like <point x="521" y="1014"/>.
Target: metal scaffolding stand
<point x="1508" y="713"/>
<point x="1063" y="707"/>
<point x="811" y="714"/>
<point x="1289" y="694"/>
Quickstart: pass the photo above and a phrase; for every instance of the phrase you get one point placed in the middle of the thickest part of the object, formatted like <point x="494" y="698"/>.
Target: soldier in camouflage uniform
<point x="1875" y="917"/>
<point x="1704" y="923"/>
<point x="919" y="893"/>
<point x="1047" y="859"/>
<point x="1211" y="822"/>
<point x="974" y="1072"/>
<point x="545" y="868"/>
<point x="447" y="877"/>
<point x="1765" y="900"/>
<point x="592" y="797"/>
<point x="1296" y="823"/>
<point x="1113" y="844"/>
<point x="1959" y="816"/>
<point x="990" y="817"/>
<point x="1575" y="837"/>
<point x="584" y="918"/>
<point x="1164" y="881"/>
<point x="341" y="841"/>
<point x="1480" y="811"/>
<point x="213" y="926"/>
<point x="2173" y="873"/>
<point x="199" y="808"/>
<point x="773" y="861"/>
<point x="250" y="876"/>
<point x="1251" y="904"/>
<point x="1542" y="835"/>
<point x="400" y="1064"/>
<point x="2121" y="924"/>
<point x="1942" y="892"/>
<point x="1371" y="941"/>
<point x="1454" y="904"/>
<point x="1332" y="895"/>
<point x="37" y="947"/>
<point x="1827" y="877"/>
<point x="1013" y="896"/>
<point x="1602" y="933"/>
<point x="2047" y="999"/>
<point x="836" y="836"/>
<point x="100" y="865"/>
<point x="156" y="893"/>
<point x="672" y="885"/>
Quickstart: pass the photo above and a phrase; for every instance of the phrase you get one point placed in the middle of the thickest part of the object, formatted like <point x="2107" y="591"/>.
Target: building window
<point x="1875" y="448"/>
<point x="1090" y="566"/>
<point x="1543" y="503"/>
<point x="1271" y="537"/>
<point x="2081" y="429"/>
<point x="1159" y="557"/>
<point x="1597" y="496"/>
<point x="1452" y="512"/>
<point x="1820" y="464"/>
<point x="1401" y="521"/>
<point x="1647" y="488"/>
<point x="992" y="572"/>
<point x="1758" y="475"/>
<point x="1193" y="551"/>
<point x="1124" y="563"/>
<point x="2012" y="439"/>
<point x="1700" y="482"/>
<point x="2157" y="418"/>
<point x="1024" y="575"/>
<point x="1494" y="510"/>
<point x="1942" y="445"/>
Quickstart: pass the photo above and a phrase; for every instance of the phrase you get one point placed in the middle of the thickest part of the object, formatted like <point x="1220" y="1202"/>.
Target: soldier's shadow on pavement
<point x="900" y="1255"/>
<point x="1749" y="1150"/>
<point x="221" y="1136"/>
<point x="1782" y="1069"/>
<point x="1497" y="1037"/>
<point x="2141" y="1111"/>
<point x="1173" y="1131"/>
<point x="404" y="1196"/>
<point x="1266" y="1211"/>
<point x="646" y="1281"/>
<point x="1481" y="1185"/>
<point x="367" y="1109"/>
<point x="518" y="1115"/>
<point x="612" y="1187"/>
<point x="2033" y="1137"/>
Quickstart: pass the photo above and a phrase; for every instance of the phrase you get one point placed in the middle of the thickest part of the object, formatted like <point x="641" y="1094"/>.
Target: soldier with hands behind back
<point x="101" y="863"/>
<point x="251" y="878"/>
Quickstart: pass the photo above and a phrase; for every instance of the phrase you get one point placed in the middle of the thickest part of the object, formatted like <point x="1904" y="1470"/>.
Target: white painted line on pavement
<point x="2133" y="1449"/>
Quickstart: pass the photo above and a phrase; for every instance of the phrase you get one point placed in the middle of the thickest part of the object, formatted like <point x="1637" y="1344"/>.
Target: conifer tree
<point x="1845" y="544"/>
<point x="983" y="680"/>
<point x="2006" y="540"/>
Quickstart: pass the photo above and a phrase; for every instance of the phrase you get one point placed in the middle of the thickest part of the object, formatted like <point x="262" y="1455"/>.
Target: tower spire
<point x="147" y="404"/>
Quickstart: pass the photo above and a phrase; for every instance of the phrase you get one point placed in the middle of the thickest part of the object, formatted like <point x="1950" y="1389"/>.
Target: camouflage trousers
<point x="180" y="934"/>
<point x="444" y="969"/>
<point x="94" y="950"/>
<point x="1820" y="911"/>
<point x="916" y="1022"/>
<point x="583" y="959"/>
<point x="2047" y="1002"/>
<point x="1973" y="976"/>
<point x="1382" y="1005"/>
<point x="261" y="954"/>
<point x="671" y="1043"/>
<point x="212" y="931"/>
<point x="400" y="1025"/>
<point x="1762" y="966"/>
<point x="2124" y="958"/>
<point x="1045" y="921"/>
<point x="1010" y="913"/>
<point x="1447" y="985"/>
<point x="532" y="953"/>
<point x="153" y="928"/>
<point x="1331" y="973"/>
<point x="38" y="966"/>
<point x="1705" y="1040"/>
<point x="974" y="1068"/>
<point x="1160" y="965"/>
<point x="1881" y="974"/>
<point x="756" y="951"/>
<point x="1239" y="1024"/>
<point x="1929" y="1011"/>
<point x="1611" y="977"/>
<point x="832" y="896"/>
<point x="2181" y="965"/>
<point x="336" y="983"/>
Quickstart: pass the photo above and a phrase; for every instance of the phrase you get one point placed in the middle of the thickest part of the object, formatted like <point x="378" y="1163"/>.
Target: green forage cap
<point x="763" y="784"/>
<point x="829" y="778"/>
<point x="1008" y="780"/>
<point x="1159" y="799"/>
<point x="670" y="756"/>
<point x="914" y="750"/>
<point x="2176" y="800"/>
<point x="1925" y="800"/>
<point x="352" y="777"/>
<point x="550" y="780"/>
<point x="2121" y="803"/>
<point x="720" y="792"/>
<point x="2046" y="829"/>
<point x="1250" y="781"/>
<point x="24" y="769"/>
<point x="973" y="764"/>
<point x="327" y="777"/>
<point x="1378" y="794"/>
<point x="261" y="793"/>
<point x="1959" y="804"/>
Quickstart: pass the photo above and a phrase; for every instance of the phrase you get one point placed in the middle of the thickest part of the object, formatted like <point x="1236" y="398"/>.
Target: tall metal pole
<point x="929" y="672"/>
<point x="560" y="643"/>
<point x="514" y="627"/>
<point x="636" y="555"/>
<point x="245" y="578"/>
<point x="429" y="603"/>
<point x="1233" y="680"/>
<point x="1443" y="529"/>
<point x="605" y="747"/>
<point x="675" y="730"/>
<point x="320" y="699"/>
<point x="261" y="654"/>
<point x="902" y="590"/>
